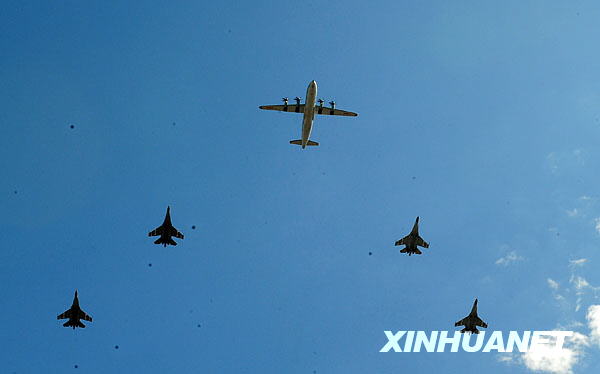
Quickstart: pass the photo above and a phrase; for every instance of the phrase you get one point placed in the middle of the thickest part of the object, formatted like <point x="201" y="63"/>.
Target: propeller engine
<point x="321" y="101"/>
<point x="332" y="103"/>
<point x="285" y="101"/>
<point x="297" y="100"/>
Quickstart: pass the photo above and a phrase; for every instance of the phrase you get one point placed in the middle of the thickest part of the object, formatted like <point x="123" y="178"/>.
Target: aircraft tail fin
<point x="299" y="142"/>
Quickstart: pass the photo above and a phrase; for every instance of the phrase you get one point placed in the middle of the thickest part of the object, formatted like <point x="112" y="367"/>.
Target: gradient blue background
<point x="483" y="119"/>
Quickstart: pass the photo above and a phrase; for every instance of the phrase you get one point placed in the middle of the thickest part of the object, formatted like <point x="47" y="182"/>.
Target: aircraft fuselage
<point x="309" y="112"/>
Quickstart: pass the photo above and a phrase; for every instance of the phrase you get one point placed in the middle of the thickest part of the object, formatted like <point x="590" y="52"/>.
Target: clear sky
<point x="482" y="118"/>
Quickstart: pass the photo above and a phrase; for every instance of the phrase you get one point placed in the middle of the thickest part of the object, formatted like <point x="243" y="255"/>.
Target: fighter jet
<point x="74" y="314"/>
<point x="166" y="231"/>
<point x="412" y="240"/>
<point x="471" y="321"/>
<point x="309" y="109"/>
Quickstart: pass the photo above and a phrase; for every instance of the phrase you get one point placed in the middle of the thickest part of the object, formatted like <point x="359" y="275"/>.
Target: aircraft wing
<point x="156" y="232"/>
<point x="462" y="322"/>
<point x="284" y="108"/>
<point x="85" y="317"/>
<point x="401" y="241"/>
<point x="422" y="243"/>
<point x="175" y="233"/>
<point x="65" y="315"/>
<point x="480" y="323"/>
<point x="333" y="112"/>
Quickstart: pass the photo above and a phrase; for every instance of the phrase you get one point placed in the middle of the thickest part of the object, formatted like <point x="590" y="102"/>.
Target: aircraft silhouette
<point x="74" y="314"/>
<point x="412" y="240"/>
<point x="471" y="321"/>
<point x="166" y="231"/>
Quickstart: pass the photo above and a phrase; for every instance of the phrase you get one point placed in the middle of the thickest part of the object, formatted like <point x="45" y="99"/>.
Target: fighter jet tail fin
<point x="299" y="142"/>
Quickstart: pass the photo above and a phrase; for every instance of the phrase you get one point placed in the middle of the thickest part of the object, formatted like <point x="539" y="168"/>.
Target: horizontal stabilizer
<point x="73" y="324"/>
<point x="410" y="252"/>
<point x="299" y="142"/>
<point x="165" y="241"/>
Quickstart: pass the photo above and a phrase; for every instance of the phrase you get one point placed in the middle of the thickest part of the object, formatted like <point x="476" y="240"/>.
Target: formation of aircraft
<point x="309" y="109"/>
<point x="74" y="314"/>
<point x="166" y="231"/>
<point x="471" y="321"/>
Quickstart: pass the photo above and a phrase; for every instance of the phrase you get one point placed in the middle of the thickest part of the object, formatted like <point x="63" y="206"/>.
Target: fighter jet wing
<point x="480" y="323"/>
<point x="178" y="234"/>
<point x="462" y="322"/>
<point x="156" y="232"/>
<point x="401" y="241"/>
<point x="85" y="317"/>
<point x="333" y="112"/>
<point x="422" y="243"/>
<point x="65" y="315"/>
<point x="284" y="108"/>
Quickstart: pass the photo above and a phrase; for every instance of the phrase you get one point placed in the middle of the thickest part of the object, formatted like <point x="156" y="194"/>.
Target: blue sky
<point x="482" y="119"/>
